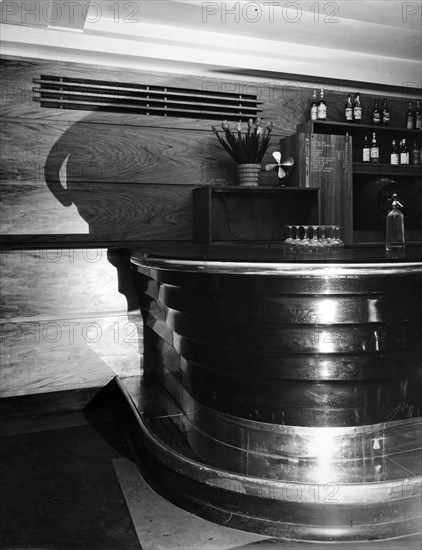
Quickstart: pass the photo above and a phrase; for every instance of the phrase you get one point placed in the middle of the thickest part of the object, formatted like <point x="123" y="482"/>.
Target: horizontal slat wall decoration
<point x="285" y="106"/>
<point x="62" y="92"/>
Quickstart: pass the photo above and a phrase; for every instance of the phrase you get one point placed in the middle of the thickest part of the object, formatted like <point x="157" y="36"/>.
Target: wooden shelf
<point x="328" y="126"/>
<point x="259" y="189"/>
<point x="355" y="194"/>
<point x="386" y="169"/>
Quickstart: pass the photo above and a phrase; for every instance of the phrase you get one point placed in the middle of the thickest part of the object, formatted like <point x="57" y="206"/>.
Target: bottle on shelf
<point x="416" y="154"/>
<point x="374" y="151"/>
<point x="348" y="109"/>
<point x="314" y="106"/>
<point x="385" y="112"/>
<point x="404" y="153"/>
<point x="394" y="155"/>
<point x="418" y="116"/>
<point x="410" y="117"/>
<point x="357" y="109"/>
<point x="395" y="239"/>
<point x="322" y="106"/>
<point x="366" y="151"/>
<point x="376" y="114"/>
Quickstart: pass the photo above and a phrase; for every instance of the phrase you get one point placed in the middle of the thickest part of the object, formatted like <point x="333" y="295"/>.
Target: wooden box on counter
<point x="251" y="213"/>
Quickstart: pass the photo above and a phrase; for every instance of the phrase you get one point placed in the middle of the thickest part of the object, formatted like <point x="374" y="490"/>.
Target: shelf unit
<point x="356" y="194"/>
<point x="235" y="213"/>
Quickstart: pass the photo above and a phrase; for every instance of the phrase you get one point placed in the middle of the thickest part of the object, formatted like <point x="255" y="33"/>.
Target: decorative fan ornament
<point x="281" y="167"/>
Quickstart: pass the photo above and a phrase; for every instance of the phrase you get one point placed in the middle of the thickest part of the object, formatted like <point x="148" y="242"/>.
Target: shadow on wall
<point x="134" y="183"/>
<point x="94" y="167"/>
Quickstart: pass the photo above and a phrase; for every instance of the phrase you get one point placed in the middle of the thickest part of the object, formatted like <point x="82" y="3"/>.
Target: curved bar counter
<point x="283" y="395"/>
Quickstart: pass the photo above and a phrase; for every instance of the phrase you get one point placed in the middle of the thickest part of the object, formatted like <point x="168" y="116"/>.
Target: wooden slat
<point x="105" y="88"/>
<point x="48" y="95"/>
<point x="175" y="108"/>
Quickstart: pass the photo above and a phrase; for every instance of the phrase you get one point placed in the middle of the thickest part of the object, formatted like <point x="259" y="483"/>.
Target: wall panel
<point x="68" y="321"/>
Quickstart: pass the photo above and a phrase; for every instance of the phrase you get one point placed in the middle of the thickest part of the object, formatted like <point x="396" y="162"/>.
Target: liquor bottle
<point x="375" y="151"/>
<point x="385" y="112"/>
<point x="314" y="106"/>
<point x="322" y="106"/>
<point x="348" y="109"/>
<point x="366" y="152"/>
<point x="395" y="240"/>
<point x="416" y="154"/>
<point x="410" y="118"/>
<point x="418" y="116"/>
<point x="376" y="114"/>
<point x="404" y="153"/>
<point x="394" y="155"/>
<point x="357" y="109"/>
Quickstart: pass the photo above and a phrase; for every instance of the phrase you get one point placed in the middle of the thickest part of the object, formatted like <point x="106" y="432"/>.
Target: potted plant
<point x="247" y="148"/>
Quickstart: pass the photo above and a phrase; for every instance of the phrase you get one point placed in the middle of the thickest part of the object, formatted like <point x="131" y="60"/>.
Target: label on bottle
<point x="348" y="113"/>
<point x="375" y="154"/>
<point x="322" y="111"/>
<point x="418" y="124"/>
<point x="376" y="118"/>
<point x="366" y="155"/>
<point x="409" y="124"/>
<point x="386" y="118"/>
<point x="404" y="158"/>
<point x="314" y="112"/>
<point x="357" y="113"/>
<point x="394" y="158"/>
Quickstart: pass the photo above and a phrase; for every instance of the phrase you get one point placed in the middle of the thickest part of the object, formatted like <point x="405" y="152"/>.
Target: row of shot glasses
<point x="313" y="239"/>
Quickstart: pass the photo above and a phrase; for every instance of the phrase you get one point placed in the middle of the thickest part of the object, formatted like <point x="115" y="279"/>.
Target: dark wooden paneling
<point x="251" y="213"/>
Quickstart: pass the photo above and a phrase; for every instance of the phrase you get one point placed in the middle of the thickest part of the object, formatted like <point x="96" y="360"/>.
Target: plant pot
<point x="248" y="174"/>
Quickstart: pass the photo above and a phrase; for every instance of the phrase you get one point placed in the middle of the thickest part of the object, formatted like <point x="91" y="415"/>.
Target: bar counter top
<point x="268" y="257"/>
